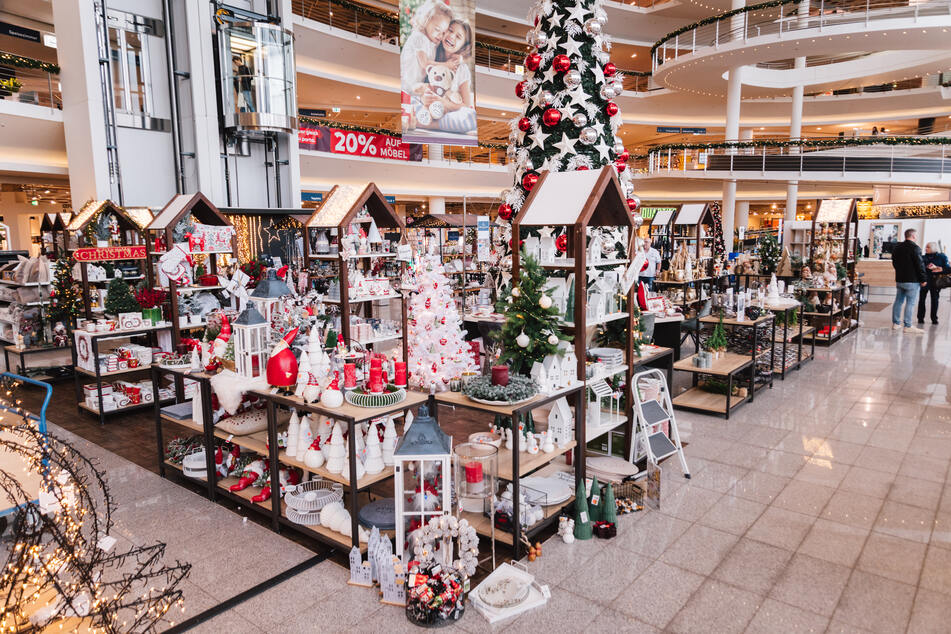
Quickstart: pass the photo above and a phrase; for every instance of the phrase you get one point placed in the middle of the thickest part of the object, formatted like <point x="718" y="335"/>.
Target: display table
<point x="22" y="353"/>
<point x="513" y="465"/>
<point x="762" y="323"/>
<point x="729" y="366"/>
<point x="786" y="337"/>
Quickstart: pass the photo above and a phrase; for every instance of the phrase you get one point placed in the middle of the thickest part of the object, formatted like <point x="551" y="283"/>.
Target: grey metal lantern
<point x="422" y="477"/>
<point x="268" y="293"/>
<point x="250" y="332"/>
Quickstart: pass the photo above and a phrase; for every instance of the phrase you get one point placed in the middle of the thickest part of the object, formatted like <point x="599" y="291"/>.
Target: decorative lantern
<point x="250" y="332"/>
<point x="422" y="478"/>
<point x="267" y="295"/>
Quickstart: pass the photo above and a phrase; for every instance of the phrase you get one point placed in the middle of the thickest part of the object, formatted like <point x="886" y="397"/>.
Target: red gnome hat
<point x="282" y="366"/>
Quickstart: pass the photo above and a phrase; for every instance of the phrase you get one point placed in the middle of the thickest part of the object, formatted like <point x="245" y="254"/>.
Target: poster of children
<point x="437" y="71"/>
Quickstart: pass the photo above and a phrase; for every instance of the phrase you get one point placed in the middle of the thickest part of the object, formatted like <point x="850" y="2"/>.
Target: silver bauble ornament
<point x="541" y="40"/>
<point x="601" y="16"/>
<point x="553" y="339"/>
<point x="593" y="27"/>
<point x="607" y="92"/>
<point x="588" y="136"/>
<point x="504" y="194"/>
<point x="618" y="148"/>
<point x="618" y="86"/>
<point x="638" y="220"/>
<point x="530" y="37"/>
<point x="546" y="97"/>
<point x="628" y="187"/>
<point x="580" y="120"/>
<point x="573" y="78"/>
<point x="528" y="166"/>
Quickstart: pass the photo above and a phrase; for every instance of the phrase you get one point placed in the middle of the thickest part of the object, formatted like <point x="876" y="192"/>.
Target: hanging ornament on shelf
<point x="561" y="242"/>
<point x="638" y="220"/>
<point x="580" y="120"/>
<point x="572" y="78"/>
<point x="516" y="292"/>
<point x="529" y="180"/>
<point x="522" y="340"/>
<point x="623" y="155"/>
<point x="524" y="124"/>
<point x="551" y="117"/>
<point x="633" y="204"/>
<point x="533" y="61"/>
<point x="561" y="63"/>
<point x="620" y="166"/>
<point x="553" y="339"/>
<point x="611" y="109"/>
<point x="505" y="211"/>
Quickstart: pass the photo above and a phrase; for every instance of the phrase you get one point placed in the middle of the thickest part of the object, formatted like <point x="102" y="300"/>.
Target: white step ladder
<point x="650" y="441"/>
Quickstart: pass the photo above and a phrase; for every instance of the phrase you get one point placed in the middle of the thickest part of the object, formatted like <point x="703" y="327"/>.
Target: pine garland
<point x="519" y="388"/>
<point x="803" y="143"/>
<point x="10" y="59"/>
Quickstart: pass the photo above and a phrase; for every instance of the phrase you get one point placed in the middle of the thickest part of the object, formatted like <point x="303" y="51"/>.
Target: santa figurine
<point x="285" y="476"/>
<point x="251" y="474"/>
<point x="282" y="365"/>
<point x="221" y="341"/>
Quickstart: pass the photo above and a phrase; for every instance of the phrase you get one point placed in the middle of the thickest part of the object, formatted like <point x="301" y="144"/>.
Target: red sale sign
<point x="368" y="144"/>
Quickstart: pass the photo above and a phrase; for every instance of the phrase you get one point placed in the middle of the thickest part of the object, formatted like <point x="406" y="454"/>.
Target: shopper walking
<point x="936" y="263"/>
<point x="909" y="278"/>
<point x="651" y="266"/>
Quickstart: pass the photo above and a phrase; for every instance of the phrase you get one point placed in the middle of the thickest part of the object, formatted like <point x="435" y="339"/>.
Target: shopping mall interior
<point x="668" y="272"/>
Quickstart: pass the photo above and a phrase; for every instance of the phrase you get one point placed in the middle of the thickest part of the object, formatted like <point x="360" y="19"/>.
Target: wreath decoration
<point x="440" y="531"/>
<point x="519" y="388"/>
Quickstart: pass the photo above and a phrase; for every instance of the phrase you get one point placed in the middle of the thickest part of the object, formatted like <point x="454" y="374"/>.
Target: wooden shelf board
<point x="728" y="363"/>
<point x="792" y="335"/>
<point x="321" y="532"/>
<point x="695" y="398"/>
<point x="108" y="412"/>
<point x="347" y="410"/>
<point x="247" y="494"/>
<point x="732" y="321"/>
<point x="114" y="373"/>
<point x="527" y="462"/>
<point x="362" y="483"/>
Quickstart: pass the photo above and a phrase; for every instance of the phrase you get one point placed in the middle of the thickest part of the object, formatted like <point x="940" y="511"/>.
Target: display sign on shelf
<point x="482" y="238"/>
<point x="103" y="254"/>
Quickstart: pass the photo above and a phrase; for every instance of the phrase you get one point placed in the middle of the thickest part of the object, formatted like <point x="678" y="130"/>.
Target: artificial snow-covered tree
<point x="438" y="351"/>
<point x="531" y="331"/>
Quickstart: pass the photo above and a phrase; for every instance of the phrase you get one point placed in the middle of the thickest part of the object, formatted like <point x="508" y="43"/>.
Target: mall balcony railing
<point x="879" y="154"/>
<point x="385" y="27"/>
<point x="27" y="80"/>
<point x="784" y="16"/>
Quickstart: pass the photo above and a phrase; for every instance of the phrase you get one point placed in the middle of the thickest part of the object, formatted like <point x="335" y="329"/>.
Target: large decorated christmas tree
<point x="569" y="119"/>
<point x="438" y="351"/>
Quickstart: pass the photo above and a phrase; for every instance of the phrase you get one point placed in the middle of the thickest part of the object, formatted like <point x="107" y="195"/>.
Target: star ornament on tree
<point x="579" y="13"/>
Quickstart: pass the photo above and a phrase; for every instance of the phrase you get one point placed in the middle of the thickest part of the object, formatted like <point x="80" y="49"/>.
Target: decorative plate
<point x="555" y="489"/>
<point x="390" y="396"/>
<point x="507" y="592"/>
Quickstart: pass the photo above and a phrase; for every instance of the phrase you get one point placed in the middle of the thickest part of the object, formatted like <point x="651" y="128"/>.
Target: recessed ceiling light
<point x="358" y="96"/>
<point x="818" y="128"/>
<point x="633" y="54"/>
<point x="46" y="191"/>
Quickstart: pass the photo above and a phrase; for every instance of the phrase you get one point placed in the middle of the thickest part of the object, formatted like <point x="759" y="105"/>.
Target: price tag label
<point x="404" y="253"/>
<point x="584" y="517"/>
<point x="595" y="499"/>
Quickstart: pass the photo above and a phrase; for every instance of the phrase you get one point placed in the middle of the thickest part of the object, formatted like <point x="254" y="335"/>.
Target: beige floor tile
<point x="916" y="492"/>
<point x="799" y="443"/>
<point x="774" y="616"/>
<point x="811" y="584"/>
<point x="892" y="557"/>
<point x="782" y="463"/>
<point x="614" y="621"/>
<point x="700" y="549"/>
<point x="941" y="533"/>
<point x="658" y="594"/>
<point x="753" y="566"/>
<point x="822" y="471"/>
<point x="852" y="431"/>
<point x="936" y="574"/>
<point x="563" y="609"/>
<point x="905" y="521"/>
<point x="878" y="459"/>
<point x="605" y="575"/>
<point x="838" y="451"/>
<point x="226" y="622"/>
<point x="704" y="611"/>
<point x="931" y="469"/>
<point x="732" y="514"/>
<point x="689" y="503"/>
<point x="761" y="487"/>
<point x="931" y="613"/>
<point x="893" y="439"/>
<point x="781" y="528"/>
<point x="721" y="478"/>
<point x="831" y="541"/>
<point x="851" y="508"/>
<point x="804" y="497"/>
<point x="652" y="535"/>
<point x="875" y="603"/>
<point x="867" y="482"/>
<point x="932" y="447"/>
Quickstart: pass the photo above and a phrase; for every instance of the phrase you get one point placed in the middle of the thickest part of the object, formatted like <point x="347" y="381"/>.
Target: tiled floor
<point x="822" y="506"/>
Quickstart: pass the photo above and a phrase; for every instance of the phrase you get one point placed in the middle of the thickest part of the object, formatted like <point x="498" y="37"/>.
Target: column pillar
<point x="437" y="204"/>
<point x="792" y="201"/>
<point x="742" y="214"/>
<point x="734" y="93"/>
<point x="729" y="211"/>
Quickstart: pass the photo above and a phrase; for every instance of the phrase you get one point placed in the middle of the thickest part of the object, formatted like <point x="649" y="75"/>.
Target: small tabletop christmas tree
<point x="436" y="341"/>
<point x="769" y="253"/>
<point x="64" y="296"/>
<point x="119" y="298"/>
<point x="594" y="501"/>
<point x="609" y="505"/>
<point x="717" y="340"/>
<point x="532" y="329"/>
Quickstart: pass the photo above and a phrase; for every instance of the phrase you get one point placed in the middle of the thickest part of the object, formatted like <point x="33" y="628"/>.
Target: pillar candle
<point x="349" y="375"/>
<point x="500" y="375"/>
<point x="400" y="372"/>
<point x="376" y="380"/>
<point x="376" y="363"/>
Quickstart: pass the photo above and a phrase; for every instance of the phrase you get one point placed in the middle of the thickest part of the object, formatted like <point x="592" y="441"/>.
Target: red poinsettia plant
<point x="150" y="297"/>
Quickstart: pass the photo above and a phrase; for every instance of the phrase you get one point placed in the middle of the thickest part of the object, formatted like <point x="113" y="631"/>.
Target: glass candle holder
<point x="475" y="471"/>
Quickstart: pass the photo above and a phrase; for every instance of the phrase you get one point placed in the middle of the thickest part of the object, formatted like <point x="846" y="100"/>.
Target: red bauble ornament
<point x="610" y="69"/>
<point x="561" y="63"/>
<point x="620" y="166"/>
<point x="443" y="341"/>
<point x="524" y="124"/>
<point x="611" y="109"/>
<point x="505" y="211"/>
<point x="529" y="180"/>
<point x="551" y="117"/>
<point x="533" y="61"/>
<point x="428" y="303"/>
<point x="633" y="204"/>
<point x="520" y="90"/>
<point x="624" y="156"/>
<point x="581" y="168"/>
<point x="561" y="242"/>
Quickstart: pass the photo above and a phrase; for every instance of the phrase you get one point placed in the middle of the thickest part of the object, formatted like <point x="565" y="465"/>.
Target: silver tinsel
<point x="572" y="78"/>
<point x="588" y="136"/>
<point x="578" y="160"/>
<point x="580" y="120"/>
<point x="593" y="27"/>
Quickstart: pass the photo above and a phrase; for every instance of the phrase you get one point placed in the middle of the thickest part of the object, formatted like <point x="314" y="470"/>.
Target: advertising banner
<point x="437" y="71"/>
<point x="326" y="139"/>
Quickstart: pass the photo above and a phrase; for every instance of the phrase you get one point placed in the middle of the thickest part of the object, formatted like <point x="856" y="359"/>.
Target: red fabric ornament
<point x="443" y="341"/>
<point x="561" y="242"/>
<point x="529" y="180"/>
<point x="524" y="124"/>
<point x="520" y="90"/>
<point x="633" y="204"/>
<point x="624" y="156"/>
<point x="505" y="211"/>
<point x="282" y="364"/>
<point x="610" y="69"/>
<point x="533" y="61"/>
<point x="561" y="63"/>
<point x="551" y="117"/>
<point x="611" y="108"/>
<point x="428" y="302"/>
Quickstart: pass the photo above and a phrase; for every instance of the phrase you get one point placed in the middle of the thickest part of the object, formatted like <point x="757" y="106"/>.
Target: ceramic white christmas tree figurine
<point x="389" y="442"/>
<point x="374" y="461"/>
<point x="303" y="373"/>
<point x="304" y="438"/>
<point x="361" y="470"/>
<point x="509" y="443"/>
<point x="324" y="430"/>
<point x="293" y="431"/>
<point x="336" y="452"/>
<point x="360" y="441"/>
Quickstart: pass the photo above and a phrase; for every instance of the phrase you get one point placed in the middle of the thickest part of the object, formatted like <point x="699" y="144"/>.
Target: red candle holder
<point x="376" y="380"/>
<point x="473" y="472"/>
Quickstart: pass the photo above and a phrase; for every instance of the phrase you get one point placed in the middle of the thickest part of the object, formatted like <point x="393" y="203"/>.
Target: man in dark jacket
<point x="910" y="276"/>
<point x="936" y="263"/>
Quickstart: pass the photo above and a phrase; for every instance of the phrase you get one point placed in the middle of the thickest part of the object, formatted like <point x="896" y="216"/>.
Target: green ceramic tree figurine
<point x="583" y="528"/>
<point x="594" y="501"/>
<point x="608" y="505"/>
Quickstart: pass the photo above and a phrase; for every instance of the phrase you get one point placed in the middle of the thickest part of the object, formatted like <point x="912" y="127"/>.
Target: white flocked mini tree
<point x="438" y="351"/>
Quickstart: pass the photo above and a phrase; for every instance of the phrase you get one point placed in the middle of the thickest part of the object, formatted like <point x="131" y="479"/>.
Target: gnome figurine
<point x="220" y="343"/>
<point x="282" y="365"/>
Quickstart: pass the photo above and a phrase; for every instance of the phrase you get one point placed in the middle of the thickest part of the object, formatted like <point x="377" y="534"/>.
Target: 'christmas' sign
<point x="102" y="254"/>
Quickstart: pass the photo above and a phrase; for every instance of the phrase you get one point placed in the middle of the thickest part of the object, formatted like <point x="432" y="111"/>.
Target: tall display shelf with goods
<point x="350" y="261"/>
<point x="190" y="242"/>
<point x="107" y="241"/>
<point x="584" y="207"/>
<point x="53" y="234"/>
<point x="828" y="290"/>
<point x="791" y="336"/>
<point x="452" y="235"/>
<point x="692" y="274"/>
<point x="661" y="229"/>
<point x="800" y="239"/>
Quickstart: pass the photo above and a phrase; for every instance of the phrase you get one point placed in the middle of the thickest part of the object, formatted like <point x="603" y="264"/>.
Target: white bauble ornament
<point x="331" y="398"/>
<point x="516" y="292"/>
<point x="545" y="302"/>
<point x="522" y="340"/>
<point x="553" y="339"/>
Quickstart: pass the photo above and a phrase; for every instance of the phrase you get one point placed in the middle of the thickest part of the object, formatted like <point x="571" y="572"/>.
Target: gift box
<point x="89" y="390"/>
<point x="605" y="530"/>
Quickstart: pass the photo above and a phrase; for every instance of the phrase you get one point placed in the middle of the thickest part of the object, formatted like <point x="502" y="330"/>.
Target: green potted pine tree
<point x="121" y="303"/>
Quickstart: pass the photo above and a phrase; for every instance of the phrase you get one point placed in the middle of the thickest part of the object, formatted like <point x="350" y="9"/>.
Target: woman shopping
<point x="936" y="263"/>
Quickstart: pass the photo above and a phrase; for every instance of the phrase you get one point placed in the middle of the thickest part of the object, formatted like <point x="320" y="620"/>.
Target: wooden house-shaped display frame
<point x="576" y="201"/>
<point x="159" y="234"/>
<point x="841" y="213"/>
<point x="132" y="225"/>
<point x="337" y="211"/>
<point x="660" y="229"/>
<point x="693" y="226"/>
